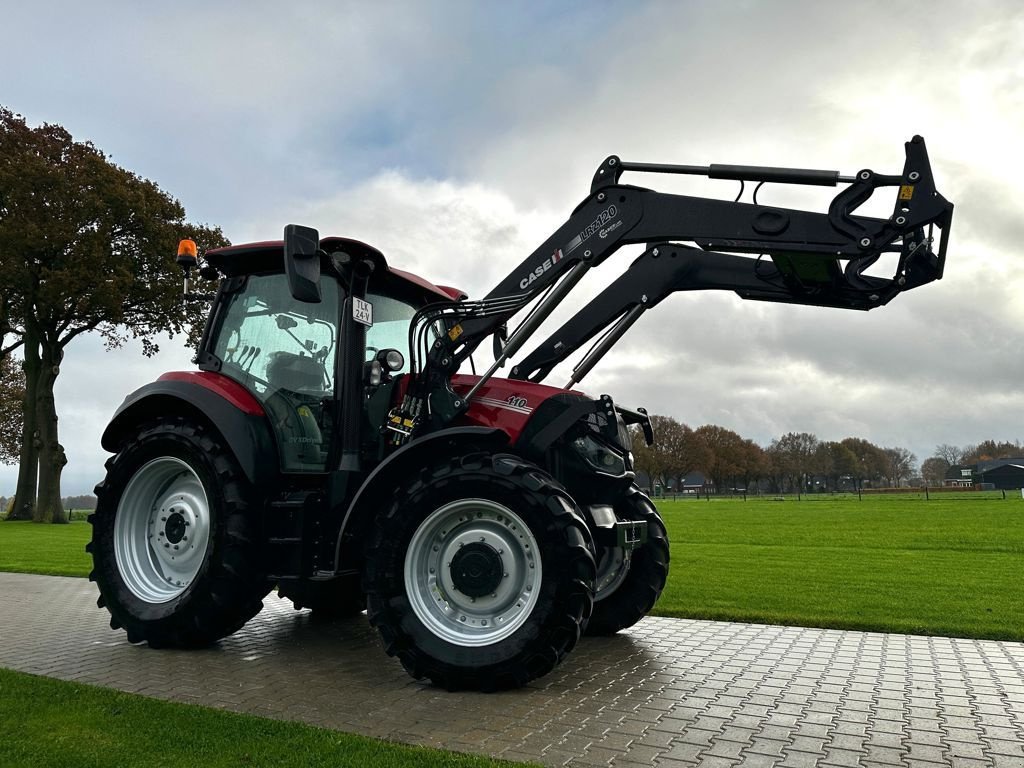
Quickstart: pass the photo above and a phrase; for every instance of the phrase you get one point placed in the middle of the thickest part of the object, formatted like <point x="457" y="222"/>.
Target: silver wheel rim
<point x="161" y="530"/>
<point x="457" y="617"/>
<point x="612" y="568"/>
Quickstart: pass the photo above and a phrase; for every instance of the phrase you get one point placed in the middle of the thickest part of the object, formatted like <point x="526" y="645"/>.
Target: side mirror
<point x="302" y="262"/>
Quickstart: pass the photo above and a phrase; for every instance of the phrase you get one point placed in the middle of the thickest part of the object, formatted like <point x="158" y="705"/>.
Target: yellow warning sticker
<point x="455" y="332"/>
<point x="906" y="191"/>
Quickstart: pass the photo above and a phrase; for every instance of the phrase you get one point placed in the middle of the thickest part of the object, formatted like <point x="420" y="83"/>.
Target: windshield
<point x="390" y="329"/>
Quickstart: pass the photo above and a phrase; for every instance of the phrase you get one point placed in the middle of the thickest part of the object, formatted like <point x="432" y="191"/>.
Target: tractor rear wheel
<point x="175" y="538"/>
<point x="628" y="584"/>
<point x="480" y="574"/>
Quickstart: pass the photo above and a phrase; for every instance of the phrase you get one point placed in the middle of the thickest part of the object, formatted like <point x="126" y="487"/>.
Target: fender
<point x="223" y="403"/>
<point x="396" y="468"/>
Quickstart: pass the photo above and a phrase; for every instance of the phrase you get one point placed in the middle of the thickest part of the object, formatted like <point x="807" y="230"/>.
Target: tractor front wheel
<point x="629" y="583"/>
<point x="175" y="538"/>
<point x="480" y="574"/>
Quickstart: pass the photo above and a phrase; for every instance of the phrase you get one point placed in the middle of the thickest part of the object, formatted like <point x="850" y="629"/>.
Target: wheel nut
<point x="166" y="545"/>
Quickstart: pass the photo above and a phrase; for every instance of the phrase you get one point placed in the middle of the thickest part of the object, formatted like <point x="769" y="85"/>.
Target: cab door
<point x="284" y="352"/>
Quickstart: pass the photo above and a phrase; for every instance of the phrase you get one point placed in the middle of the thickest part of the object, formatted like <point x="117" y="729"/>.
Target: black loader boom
<point x="802" y="258"/>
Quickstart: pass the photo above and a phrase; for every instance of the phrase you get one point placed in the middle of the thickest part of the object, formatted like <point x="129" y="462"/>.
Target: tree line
<point x="85" y="247"/>
<point x="796" y="461"/>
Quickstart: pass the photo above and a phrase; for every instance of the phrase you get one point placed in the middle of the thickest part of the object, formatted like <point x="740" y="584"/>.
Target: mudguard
<point x="223" y="403"/>
<point x="379" y="485"/>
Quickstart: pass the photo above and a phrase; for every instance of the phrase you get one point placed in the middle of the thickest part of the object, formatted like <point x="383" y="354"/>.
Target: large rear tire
<point x="176" y="538"/>
<point x="628" y="587"/>
<point x="480" y="574"/>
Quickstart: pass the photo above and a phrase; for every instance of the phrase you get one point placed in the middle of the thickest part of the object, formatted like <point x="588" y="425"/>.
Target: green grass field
<point x="52" y="724"/>
<point x="950" y="566"/>
<point x="55" y="550"/>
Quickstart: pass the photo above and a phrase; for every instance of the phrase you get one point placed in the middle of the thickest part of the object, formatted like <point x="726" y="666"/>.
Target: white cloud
<point x="456" y="138"/>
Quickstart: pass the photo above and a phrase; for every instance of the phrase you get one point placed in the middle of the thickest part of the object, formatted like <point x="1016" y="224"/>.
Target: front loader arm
<point x="815" y="258"/>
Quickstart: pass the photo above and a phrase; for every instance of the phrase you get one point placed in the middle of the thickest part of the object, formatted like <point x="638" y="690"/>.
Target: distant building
<point x="693" y="483"/>
<point x="959" y="476"/>
<point x="1000" y="474"/>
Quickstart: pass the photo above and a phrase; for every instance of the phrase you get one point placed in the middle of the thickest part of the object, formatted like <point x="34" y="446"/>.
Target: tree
<point x="933" y="470"/>
<point x="12" y="395"/>
<point x="869" y="459"/>
<point x="675" y="452"/>
<point x="900" y="463"/>
<point x="841" y="462"/>
<point x="987" y="450"/>
<point x="726" y="455"/>
<point x="84" y="246"/>
<point x="796" y="457"/>
<point x="951" y="454"/>
<point x="754" y="463"/>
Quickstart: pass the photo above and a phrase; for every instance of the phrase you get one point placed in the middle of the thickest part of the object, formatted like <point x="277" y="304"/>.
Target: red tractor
<point x="327" y="446"/>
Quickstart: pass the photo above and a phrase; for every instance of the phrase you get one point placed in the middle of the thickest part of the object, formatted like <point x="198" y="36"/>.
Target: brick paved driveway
<point x="668" y="692"/>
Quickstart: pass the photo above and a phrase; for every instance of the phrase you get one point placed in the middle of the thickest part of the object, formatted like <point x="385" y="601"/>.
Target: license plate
<point x="362" y="311"/>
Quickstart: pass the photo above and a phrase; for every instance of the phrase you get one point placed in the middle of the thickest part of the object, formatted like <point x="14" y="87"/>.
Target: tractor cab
<point x="291" y="353"/>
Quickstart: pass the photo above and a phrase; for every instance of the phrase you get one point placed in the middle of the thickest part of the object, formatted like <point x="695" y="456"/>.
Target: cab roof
<point x="268" y="256"/>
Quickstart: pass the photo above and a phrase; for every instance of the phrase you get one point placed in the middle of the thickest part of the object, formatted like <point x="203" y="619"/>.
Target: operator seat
<point x="294" y="395"/>
<point x="295" y="373"/>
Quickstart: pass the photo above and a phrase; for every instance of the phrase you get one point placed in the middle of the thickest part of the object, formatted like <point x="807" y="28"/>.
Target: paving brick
<point x="676" y="693"/>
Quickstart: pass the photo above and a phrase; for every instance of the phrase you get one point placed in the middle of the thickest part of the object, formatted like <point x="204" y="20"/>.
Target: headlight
<point x="599" y="456"/>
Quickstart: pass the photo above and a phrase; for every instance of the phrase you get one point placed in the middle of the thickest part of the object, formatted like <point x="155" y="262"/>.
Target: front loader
<point x="329" y="447"/>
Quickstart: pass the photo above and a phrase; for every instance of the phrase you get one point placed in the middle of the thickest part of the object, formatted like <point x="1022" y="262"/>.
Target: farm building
<point x="1000" y="474"/>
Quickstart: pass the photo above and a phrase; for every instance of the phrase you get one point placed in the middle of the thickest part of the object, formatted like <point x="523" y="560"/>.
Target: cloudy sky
<point x="456" y="136"/>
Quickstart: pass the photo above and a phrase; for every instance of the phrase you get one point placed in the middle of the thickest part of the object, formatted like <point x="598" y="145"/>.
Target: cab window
<point x="283" y="351"/>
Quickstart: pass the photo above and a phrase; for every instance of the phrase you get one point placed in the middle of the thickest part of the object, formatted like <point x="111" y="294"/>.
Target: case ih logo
<point x="603" y="218"/>
<point x="548" y="264"/>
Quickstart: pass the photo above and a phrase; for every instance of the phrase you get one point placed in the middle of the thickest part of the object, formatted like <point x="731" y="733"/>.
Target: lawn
<point x="46" y="723"/>
<point x="949" y="566"/>
<point x="953" y="565"/>
<point x="57" y="550"/>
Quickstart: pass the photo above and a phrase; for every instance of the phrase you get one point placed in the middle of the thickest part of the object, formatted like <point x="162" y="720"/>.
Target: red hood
<point x="504" y="403"/>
